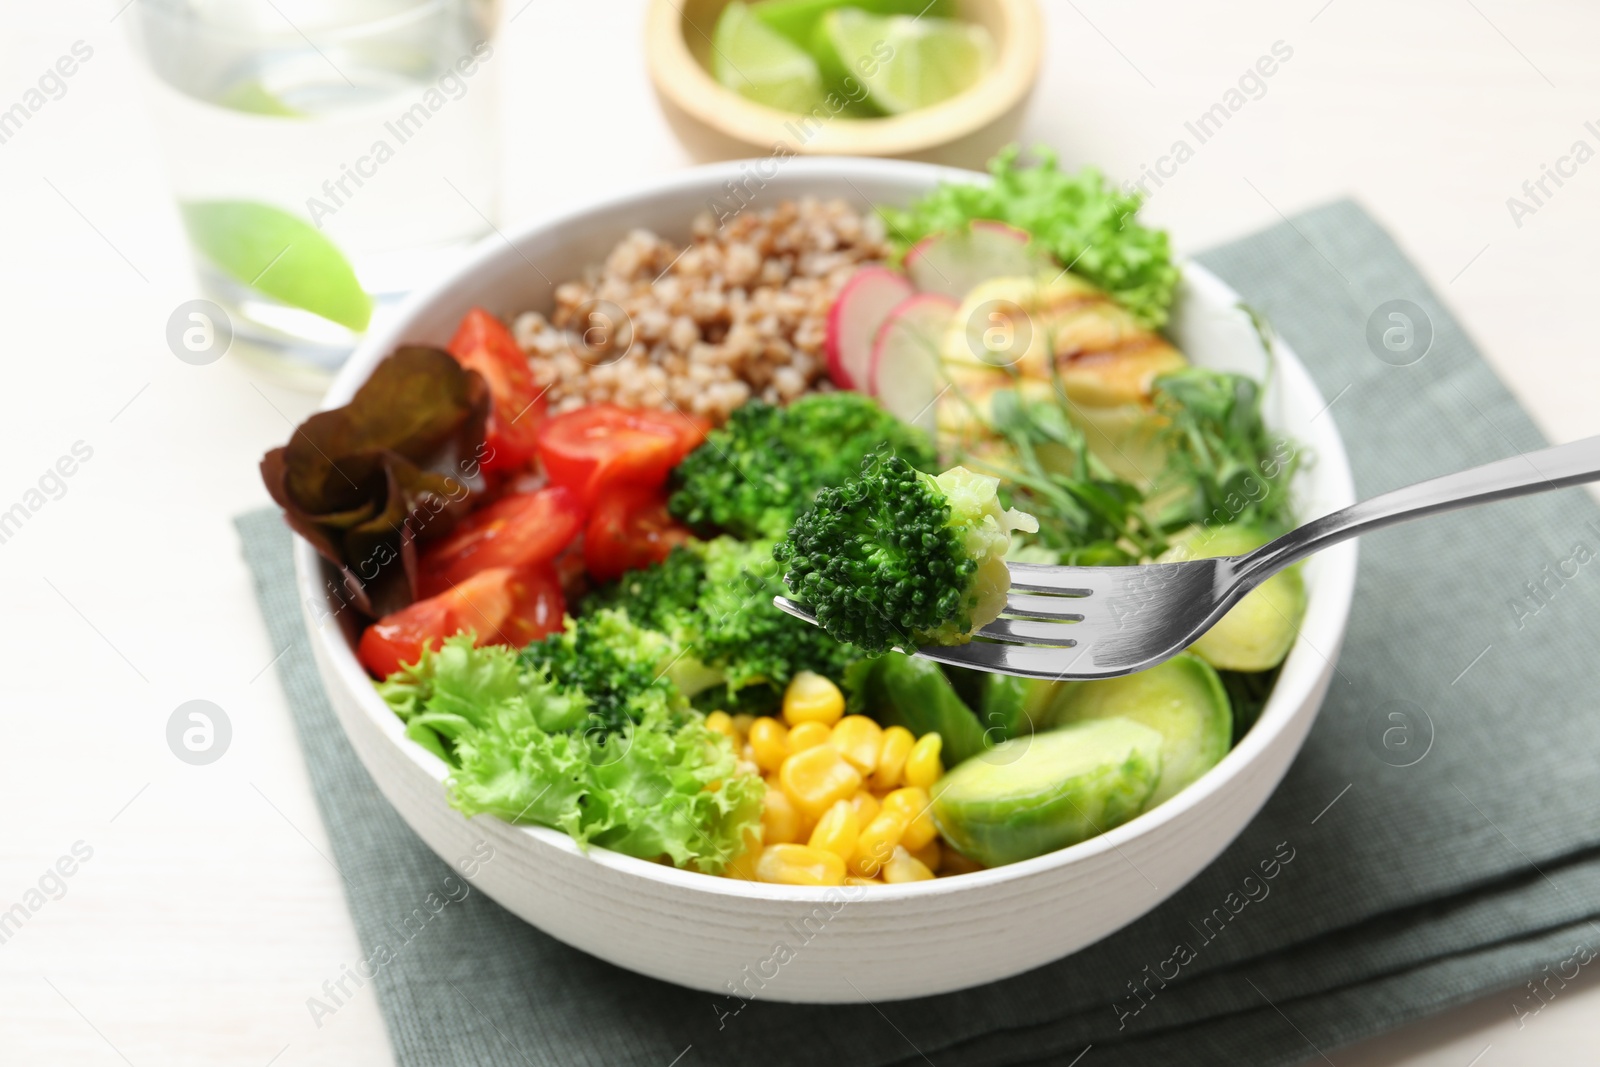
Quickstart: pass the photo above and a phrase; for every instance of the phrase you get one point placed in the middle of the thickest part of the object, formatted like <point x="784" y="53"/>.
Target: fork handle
<point x="1522" y="475"/>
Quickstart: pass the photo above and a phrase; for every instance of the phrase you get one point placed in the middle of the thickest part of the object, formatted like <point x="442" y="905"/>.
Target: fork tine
<point x="1045" y="607"/>
<point x="1092" y="581"/>
<point x="1114" y="620"/>
<point x="1032" y="632"/>
<point x="799" y="611"/>
<point x="1027" y="661"/>
<point x="1048" y="578"/>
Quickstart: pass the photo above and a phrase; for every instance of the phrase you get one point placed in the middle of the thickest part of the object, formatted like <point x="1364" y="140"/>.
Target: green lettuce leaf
<point x="1081" y="218"/>
<point x="459" y="688"/>
<point x="527" y="749"/>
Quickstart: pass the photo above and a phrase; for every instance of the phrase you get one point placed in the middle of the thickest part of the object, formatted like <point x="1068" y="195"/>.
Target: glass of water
<point x="327" y="155"/>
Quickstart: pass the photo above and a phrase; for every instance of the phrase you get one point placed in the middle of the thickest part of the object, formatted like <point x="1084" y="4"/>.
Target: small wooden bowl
<point x="717" y="123"/>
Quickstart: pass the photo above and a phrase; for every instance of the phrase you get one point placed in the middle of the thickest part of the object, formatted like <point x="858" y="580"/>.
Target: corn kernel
<point x="780" y="819"/>
<point x="800" y="865"/>
<point x="876" y="844"/>
<point x="930" y="855"/>
<point x="902" y="866"/>
<point x="920" y="831"/>
<point x="907" y="802"/>
<point x="722" y="723"/>
<point x="816" y="777"/>
<point x="808" y="735"/>
<point x="743" y="866"/>
<point x="866" y="806"/>
<point x="858" y="738"/>
<point x="856" y="879"/>
<point x="913" y="808"/>
<point x="837" y="830"/>
<point x="742" y="722"/>
<point x="922" y="763"/>
<point x="955" y="863"/>
<point x="897" y="743"/>
<point x="769" y="740"/>
<point x="812" y="698"/>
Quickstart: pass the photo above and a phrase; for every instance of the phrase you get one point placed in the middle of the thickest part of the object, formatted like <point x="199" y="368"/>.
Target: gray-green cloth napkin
<point x="1418" y="861"/>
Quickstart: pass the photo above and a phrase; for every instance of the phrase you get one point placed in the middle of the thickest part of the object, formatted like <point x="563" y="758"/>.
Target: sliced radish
<point x="864" y="303"/>
<point x="1003" y="229"/>
<point x="956" y="261"/>
<point x="905" y="357"/>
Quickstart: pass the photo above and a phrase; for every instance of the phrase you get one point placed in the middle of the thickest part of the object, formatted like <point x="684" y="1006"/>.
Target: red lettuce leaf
<point x="395" y="467"/>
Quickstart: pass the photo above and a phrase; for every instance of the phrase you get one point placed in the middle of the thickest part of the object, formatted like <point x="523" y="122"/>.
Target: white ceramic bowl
<point x="800" y="944"/>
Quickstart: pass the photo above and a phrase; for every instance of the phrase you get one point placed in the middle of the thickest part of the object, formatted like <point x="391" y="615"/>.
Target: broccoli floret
<point x="663" y="597"/>
<point x="757" y="647"/>
<point x="755" y="474"/>
<point x="617" y="665"/>
<point x="713" y="600"/>
<point x="898" y="558"/>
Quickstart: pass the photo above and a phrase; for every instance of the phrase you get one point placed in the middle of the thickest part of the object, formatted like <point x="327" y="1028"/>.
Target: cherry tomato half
<point x="538" y="607"/>
<point x="504" y="606"/>
<point x="600" y="446"/>
<point x="630" y="529"/>
<point x="482" y="343"/>
<point x="518" y="530"/>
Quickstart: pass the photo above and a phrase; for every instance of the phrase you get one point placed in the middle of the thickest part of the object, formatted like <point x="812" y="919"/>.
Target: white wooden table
<point x="208" y="913"/>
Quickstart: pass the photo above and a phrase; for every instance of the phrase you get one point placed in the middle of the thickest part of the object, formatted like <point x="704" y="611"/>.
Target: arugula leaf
<point x="1248" y="693"/>
<point x="1224" y="464"/>
<point x="1087" y="516"/>
<point x="1088" y="224"/>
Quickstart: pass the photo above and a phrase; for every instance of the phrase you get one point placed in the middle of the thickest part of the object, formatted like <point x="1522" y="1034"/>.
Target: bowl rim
<point x="682" y="80"/>
<point x="1329" y="601"/>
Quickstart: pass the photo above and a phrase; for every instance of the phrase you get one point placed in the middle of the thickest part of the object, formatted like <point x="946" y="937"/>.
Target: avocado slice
<point x="1035" y="794"/>
<point x="1258" y="632"/>
<point x="1182" y="699"/>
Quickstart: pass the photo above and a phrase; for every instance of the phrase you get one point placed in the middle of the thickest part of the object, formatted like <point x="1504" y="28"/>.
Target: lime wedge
<point x="278" y="254"/>
<point x="761" y="64"/>
<point x="256" y="99"/>
<point x="797" y="19"/>
<point x="928" y="60"/>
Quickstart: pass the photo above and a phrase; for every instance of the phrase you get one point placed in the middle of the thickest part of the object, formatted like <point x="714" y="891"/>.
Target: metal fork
<point x="1102" y="622"/>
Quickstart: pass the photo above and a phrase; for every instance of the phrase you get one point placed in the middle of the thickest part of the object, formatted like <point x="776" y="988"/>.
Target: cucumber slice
<point x="1259" y="631"/>
<point x="1182" y="699"/>
<point x="914" y="693"/>
<point x="1036" y="794"/>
